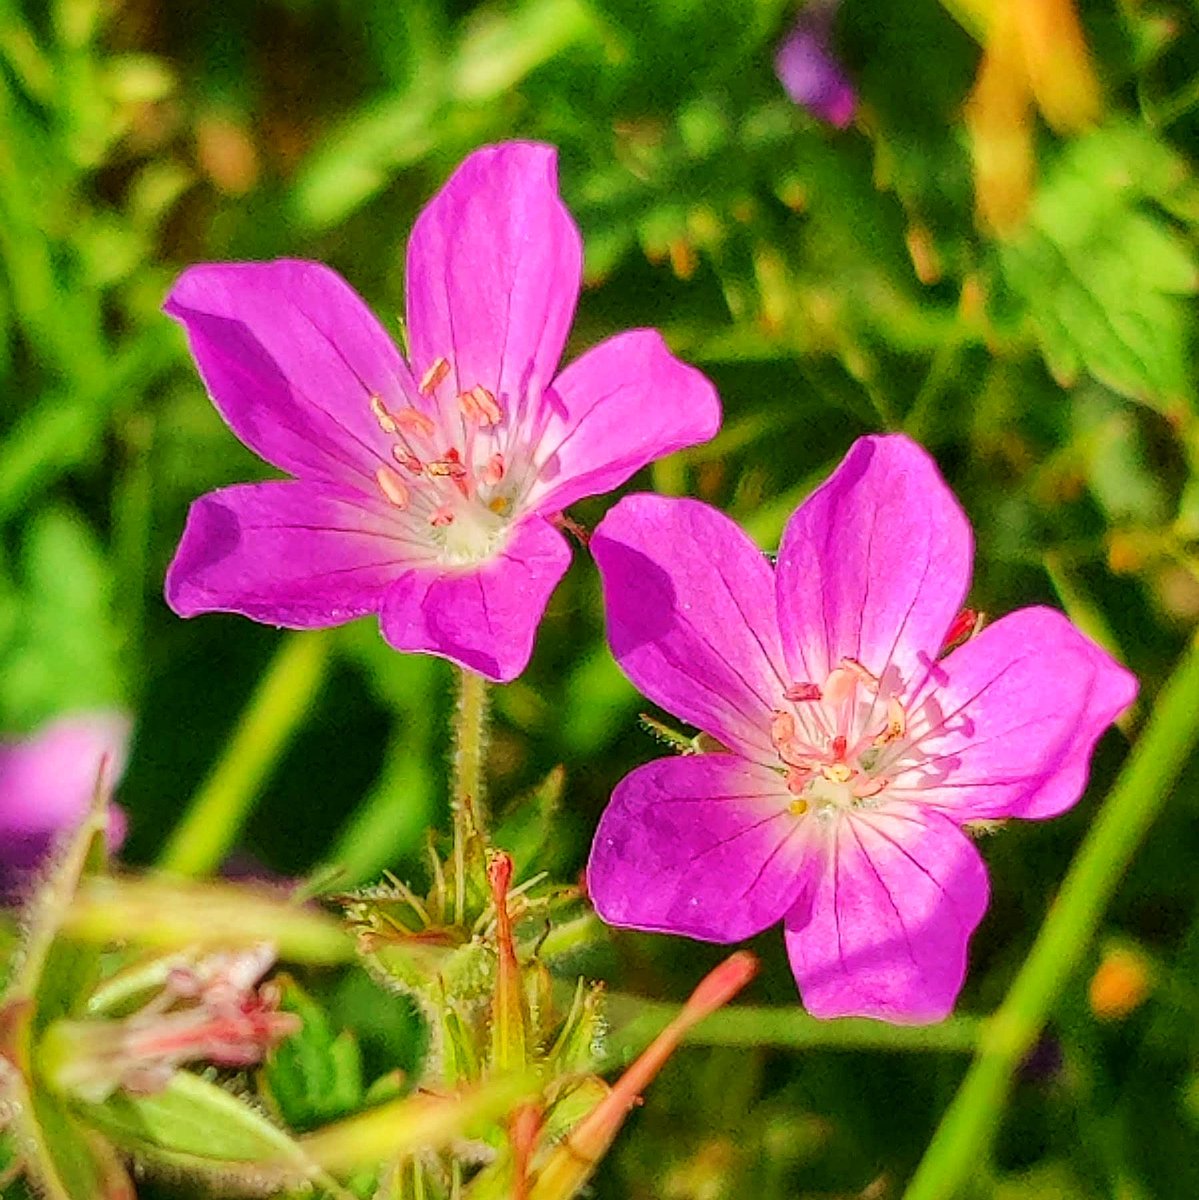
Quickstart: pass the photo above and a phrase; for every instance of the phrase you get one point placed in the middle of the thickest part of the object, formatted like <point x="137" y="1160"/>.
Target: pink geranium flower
<point x="855" y="751"/>
<point x="47" y="781"/>
<point x="424" y="488"/>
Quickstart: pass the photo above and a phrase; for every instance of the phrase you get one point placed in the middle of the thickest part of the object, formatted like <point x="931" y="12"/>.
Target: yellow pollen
<point x="500" y="506"/>
<point x="446" y="468"/>
<point x="385" y="419"/>
<point x="392" y="486"/>
<point x="837" y="772"/>
<point x="797" y="808"/>
<point x="480" y="406"/>
<point x="433" y="376"/>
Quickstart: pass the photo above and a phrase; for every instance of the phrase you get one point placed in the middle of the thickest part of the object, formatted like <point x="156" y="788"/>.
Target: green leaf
<point x="316" y="1075"/>
<point x="1104" y="275"/>
<point x="525" y="830"/>
<point x="63" y="649"/>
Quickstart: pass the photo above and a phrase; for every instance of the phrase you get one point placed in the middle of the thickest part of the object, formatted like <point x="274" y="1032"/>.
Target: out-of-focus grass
<point x="830" y="283"/>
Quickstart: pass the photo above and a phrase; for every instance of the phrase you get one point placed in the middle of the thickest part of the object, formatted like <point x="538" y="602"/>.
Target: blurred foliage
<point x="831" y="283"/>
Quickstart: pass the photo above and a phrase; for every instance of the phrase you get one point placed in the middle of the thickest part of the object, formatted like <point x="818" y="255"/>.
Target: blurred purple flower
<point x="808" y="69"/>
<point x="47" y="781"/>
<point x="425" y="489"/>
<point x="855" y="751"/>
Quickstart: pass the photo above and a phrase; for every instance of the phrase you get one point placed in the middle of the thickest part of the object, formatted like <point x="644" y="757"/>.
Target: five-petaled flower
<point x="424" y="488"/>
<point x="856" y="749"/>
<point x="48" y="779"/>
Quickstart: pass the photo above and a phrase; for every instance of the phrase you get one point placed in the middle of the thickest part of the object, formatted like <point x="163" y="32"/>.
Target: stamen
<point x="839" y="686"/>
<point x="449" y="467"/>
<point x="385" y="419"/>
<point x="897" y="723"/>
<point x="407" y="460"/>
<point x="797" y="808"/>
<point x="782" y="729"/>
<point x="802" y="693"/>
<point x="433" y="376"/>
<point x="493" y="472"/>
<point x="393" y="487"/>
<point x="414" y="421"/>
<point x="838" y="772"/>
<point x="864" y="677"/>
<point x="865" y="787"/>
<point x="480" y="406"/>
<point x="797" y="783"/>
<point x="441" y="516"/>
<point x="839" y="745"/>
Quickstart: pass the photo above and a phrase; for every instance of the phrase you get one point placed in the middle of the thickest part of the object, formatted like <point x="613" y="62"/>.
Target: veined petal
<point x="293" y="553"/>
<point x="704" y="846"/>
<point x="291" y="357"/>
<point x="621" y="405"/>
<point x="690" y="606"/>
<point x="494" y="268"/>
<point x="874" y="565"/>
<point x="883" y="929"/>
<point x="1015" y="715"/>
<point x="485" y="617"/>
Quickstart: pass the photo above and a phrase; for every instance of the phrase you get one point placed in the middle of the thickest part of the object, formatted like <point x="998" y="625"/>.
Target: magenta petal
<point x="483" y="618"/>
<point x="883" y="930"/>
<point x="304" y="555"/>
<point x="874" y="565"/>
<point x="1017" y="712"/>
<point x="621" y="405"/>
<point x="494" y="267"/>
<point x="47" y="782"/>
<point x="705" y="847"/>
<point x="291" y="357"/>
<point x="690" y="606"/>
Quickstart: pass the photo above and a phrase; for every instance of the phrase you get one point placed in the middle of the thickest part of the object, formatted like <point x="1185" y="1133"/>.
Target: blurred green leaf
<point x="315" y="1075"/>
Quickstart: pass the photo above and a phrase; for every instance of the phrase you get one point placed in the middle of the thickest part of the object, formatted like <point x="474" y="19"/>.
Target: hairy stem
<point x="467" y="795"/>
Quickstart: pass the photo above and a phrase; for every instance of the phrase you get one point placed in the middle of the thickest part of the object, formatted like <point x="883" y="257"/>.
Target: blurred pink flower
<point x="855" y="751"/>
<point x="47" y="781"/>
<point x="425" y="489"/>
<point x="809" y="70"/>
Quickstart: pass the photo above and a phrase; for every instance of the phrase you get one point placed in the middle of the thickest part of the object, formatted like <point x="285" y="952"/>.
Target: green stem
<point x="789" y="1028"/>
<point x="276" y="710"/>
<point x="467" y="796"/>
<point x="963" y="1140"/>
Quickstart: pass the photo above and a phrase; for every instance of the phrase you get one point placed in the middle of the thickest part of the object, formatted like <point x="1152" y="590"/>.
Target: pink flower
<point x="425" y="488"/>
<point x="855" y="750"/>
<point x="47" y="782"/>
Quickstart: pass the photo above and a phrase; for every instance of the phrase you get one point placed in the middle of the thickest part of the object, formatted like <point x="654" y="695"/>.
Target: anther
<point x="797" y="783"/>
<point x="864" y="677"/>
<point x="392" y="486"/>
<point x="838" y="747"/>
<point x="449" y="467"/>
<point x="441" y="516"/>
<point x="407" y="460"/>
<point x="897" y="723"/>
<point x="493" y="472"/>
<point x="838" y="772"/>
<point x="480" y="406"/>
<point x="865" y="787"/>
<point x="782" y="728"/>
<point x="433" y="376"/>
<point x="414" y="421"/>
<point x="801" y="693"/>
<point x="797" y="808"/>
<point x="385" y="419"/>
